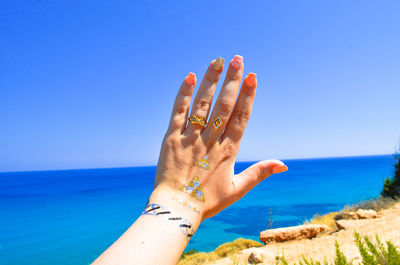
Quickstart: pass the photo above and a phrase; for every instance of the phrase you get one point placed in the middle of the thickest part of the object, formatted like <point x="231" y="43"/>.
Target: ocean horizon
<point x="72" y="216"/>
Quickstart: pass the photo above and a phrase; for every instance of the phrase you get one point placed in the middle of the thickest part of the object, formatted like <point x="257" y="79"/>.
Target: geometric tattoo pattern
<point x="194" y="189"/>
<point x="217" y="122"/>
<point x="183" y="224"/>
<point x="187" y="204"/>
<point x="203" y="163"/>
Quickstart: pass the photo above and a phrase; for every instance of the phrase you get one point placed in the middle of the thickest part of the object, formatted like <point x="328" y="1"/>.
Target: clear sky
<point x="87" y="84"/>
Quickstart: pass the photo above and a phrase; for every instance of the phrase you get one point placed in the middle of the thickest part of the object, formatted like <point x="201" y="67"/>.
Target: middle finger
<point x="204" y="96"/>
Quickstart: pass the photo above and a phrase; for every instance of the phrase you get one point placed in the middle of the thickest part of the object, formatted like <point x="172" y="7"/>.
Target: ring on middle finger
<point x="198" y="120"/>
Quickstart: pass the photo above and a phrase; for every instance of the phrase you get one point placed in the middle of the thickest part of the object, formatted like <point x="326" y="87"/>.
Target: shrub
<point x="190" y="252"/>
<point x="340" y="258"/>
<point x="235" y="246"/>
<point x="371" y="253"/>
<point x="377" y="254"/>
<point x="378" y="204"/>
<point x="193" y="257"/>
<point x="391" y="186"/>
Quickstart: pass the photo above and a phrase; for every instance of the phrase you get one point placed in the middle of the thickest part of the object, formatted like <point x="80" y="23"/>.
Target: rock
<point x="360" y="214"/>
<point x="339" y="224"/>
<point x="346" y="216"/>
<point x="292" y="233"/>
<point x="366" y="214"/>
<point x="257" y="255"/>
<point x="346" y="224"/>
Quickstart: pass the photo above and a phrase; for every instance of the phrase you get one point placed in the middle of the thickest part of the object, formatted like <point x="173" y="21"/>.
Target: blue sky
<point x="87" y="84"/>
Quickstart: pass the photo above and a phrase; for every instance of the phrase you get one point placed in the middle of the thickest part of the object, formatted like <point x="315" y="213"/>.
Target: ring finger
<point x="225" y="102"/>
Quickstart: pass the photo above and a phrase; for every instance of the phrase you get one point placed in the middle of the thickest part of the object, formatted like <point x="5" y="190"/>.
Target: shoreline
<point x="319" y="247"/>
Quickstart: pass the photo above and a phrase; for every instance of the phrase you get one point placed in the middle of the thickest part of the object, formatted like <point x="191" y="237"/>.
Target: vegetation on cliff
<point x="372" y="253"/>
<point x="228" y="249"/>
<point x="391" y="186"/>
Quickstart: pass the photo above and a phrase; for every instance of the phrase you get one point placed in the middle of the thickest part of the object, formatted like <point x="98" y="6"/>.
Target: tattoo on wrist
<point x="182" y="223"/>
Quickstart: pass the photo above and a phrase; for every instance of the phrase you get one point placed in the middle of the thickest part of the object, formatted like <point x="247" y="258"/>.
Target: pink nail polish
<point x="190" y="79"/>
<point x="237" y="62"/>
<point x="279" y="169"/>
<point x="251" y="79"/>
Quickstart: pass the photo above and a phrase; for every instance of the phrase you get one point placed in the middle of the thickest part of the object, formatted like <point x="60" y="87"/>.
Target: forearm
<point x="153" y="239"/>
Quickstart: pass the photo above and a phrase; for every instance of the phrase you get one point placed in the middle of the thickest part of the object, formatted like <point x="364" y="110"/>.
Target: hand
<point x="156" y="237"/>
<point x="185" y="143"/>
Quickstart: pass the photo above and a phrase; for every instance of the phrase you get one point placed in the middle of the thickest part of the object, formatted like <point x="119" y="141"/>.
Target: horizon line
<point x="94" y="168"/>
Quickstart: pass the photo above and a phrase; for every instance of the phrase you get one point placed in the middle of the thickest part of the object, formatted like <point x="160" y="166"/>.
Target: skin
<point x="154" y="240"/>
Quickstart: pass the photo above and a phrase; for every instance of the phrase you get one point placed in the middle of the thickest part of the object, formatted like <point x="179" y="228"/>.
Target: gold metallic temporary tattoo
<point x="187" y="204"/>
<point x="203" y="163"/>
<point x="198" y="120"/>
<point x="217" y="122"/>
<point x="158" y="210"/>
<point x="194" y="188"/>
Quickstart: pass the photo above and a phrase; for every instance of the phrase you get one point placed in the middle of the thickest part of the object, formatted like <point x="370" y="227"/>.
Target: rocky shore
<point x="316" y="240"/>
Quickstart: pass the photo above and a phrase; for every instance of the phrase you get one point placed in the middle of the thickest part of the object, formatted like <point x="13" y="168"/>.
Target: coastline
<point x="318" y="248"/>
<point x="73" y="200"/>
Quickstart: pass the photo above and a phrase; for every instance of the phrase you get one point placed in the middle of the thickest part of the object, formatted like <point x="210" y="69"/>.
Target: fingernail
<point x="251" y="79"/>
<point x="279" y="169"/>
<point x="219" y="64"/>
<point x="190" y="79"/>
<point x="237" y="62"/>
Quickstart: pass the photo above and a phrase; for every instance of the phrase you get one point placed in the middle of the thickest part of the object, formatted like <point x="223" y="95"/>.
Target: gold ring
<point x="198" y="120"/>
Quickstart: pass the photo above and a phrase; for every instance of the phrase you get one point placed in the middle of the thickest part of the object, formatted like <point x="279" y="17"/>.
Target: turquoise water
<point x="72" y="216"/>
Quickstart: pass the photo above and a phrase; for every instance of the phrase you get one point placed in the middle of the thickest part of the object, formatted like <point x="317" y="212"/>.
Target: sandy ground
<point x="387" y="227"/>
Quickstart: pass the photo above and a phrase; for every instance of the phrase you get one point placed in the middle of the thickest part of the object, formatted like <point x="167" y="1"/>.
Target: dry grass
<point x="327" y="219"/>
<point x="198" y="258"/>
<point x="224" y="250"/>
<point x="235" y="246"/>
<point x="375" y="204"/>
<point x="382" y="203"/>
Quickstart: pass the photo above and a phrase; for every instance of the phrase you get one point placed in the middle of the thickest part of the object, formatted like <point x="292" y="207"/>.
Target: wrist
<point x="179" y="203"/>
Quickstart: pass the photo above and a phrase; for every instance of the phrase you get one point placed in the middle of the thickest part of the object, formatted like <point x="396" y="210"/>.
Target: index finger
<point x="181" y="106"/>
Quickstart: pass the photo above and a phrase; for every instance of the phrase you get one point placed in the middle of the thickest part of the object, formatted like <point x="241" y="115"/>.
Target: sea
<point x="72" y="216"/>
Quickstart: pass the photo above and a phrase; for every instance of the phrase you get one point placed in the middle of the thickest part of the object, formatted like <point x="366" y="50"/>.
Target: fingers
<point x="181" y="106"/>
<point x="203" y="99"/>
<point x="241" y="113"/>
<point x="254" y="174"/>
<point x="225" y="102"/>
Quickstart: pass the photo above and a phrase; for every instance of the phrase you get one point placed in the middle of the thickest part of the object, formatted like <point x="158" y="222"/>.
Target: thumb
<point x="250" y="177"/>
